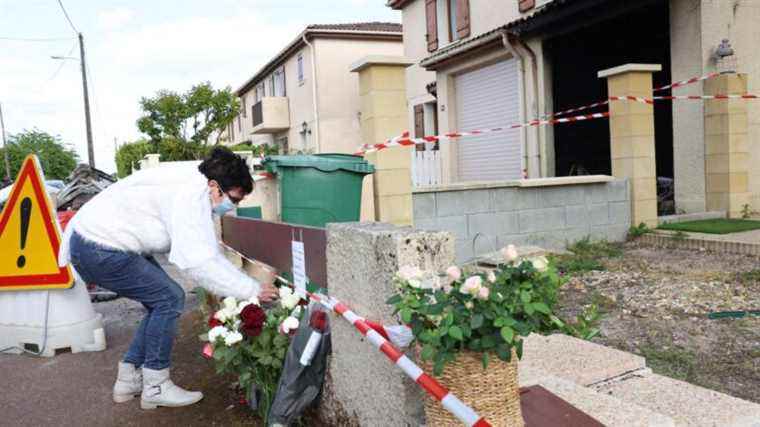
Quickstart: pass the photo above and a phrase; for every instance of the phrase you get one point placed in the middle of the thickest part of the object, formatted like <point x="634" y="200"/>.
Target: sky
<point x="134" y="48"/>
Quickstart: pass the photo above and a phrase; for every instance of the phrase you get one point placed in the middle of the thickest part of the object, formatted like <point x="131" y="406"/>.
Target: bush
<point x="483" y="313"/>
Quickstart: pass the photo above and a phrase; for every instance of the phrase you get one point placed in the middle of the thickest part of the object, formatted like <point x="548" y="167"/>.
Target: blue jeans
<point x="139" y="278"/>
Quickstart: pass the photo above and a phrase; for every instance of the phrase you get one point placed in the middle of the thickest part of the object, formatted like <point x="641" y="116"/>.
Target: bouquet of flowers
<point x="485" y="312"/>
<point x="251" y="341"/>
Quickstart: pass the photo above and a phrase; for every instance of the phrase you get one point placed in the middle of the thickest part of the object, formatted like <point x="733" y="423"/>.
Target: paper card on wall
<point x="299" y="266"/>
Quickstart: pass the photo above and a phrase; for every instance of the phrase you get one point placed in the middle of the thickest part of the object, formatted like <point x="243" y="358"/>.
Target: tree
<point x="57" y="158"/>
<point x="197" y="116"/>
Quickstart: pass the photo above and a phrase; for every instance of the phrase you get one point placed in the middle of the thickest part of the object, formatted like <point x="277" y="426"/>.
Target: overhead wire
<point x="63" y="62"/>
<point x="32" y="39"/>
<point x="73" y="27"/>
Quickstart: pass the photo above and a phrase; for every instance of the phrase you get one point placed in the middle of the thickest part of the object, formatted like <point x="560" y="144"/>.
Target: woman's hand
<point x="268" y="293"/>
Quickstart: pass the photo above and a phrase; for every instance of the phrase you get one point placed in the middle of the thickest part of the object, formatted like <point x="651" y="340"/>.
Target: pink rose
<point x="483" y="293"/>
<point x="454" y="273"/>
<point x="472" y="285"/>
<point x="509" y="253"/>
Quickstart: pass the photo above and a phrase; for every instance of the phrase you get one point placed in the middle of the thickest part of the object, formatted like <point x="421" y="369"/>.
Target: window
<point x="259" y="92"/>
<point x="240" y="123"/>
<point x="279" y="82"/>
<point x="242" y="101"/>
<point x="447" y="21"/>
<point x="270" y="81"/>
<point x="300" y="68"/>
<point x="452" y="15"/>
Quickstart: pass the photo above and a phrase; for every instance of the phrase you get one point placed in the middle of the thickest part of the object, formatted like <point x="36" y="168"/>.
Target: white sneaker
<point x="129" y="383"/>
<point x="159" y="390"/>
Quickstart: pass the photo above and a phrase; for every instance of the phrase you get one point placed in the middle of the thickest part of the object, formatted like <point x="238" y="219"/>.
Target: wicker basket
<point x="493" y="393"/>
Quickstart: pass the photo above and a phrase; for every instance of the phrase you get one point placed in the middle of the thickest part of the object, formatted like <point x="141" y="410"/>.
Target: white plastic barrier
<point x="46" y="321"/>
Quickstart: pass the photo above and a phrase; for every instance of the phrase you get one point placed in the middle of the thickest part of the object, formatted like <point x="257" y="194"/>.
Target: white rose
<point x="409" y="272"/>
<point x="233" y="338"/>
<point x="491" y="277"/>
<point x="509" y="253"/>
<point x="289" y="302"/>
<point x="289" y="324"/>
<point x="472" y="285"/>
<point x="454" y="273"/>
<point x="540" y="263"/>
<point x="254" y="301"/>
<point x="230" y="303"/>
<point x="414" y="283"/>
<point x="469" y="305"/>
<point x="216" y="332"/>
<point x="483" y="293"/>
<point x="224" y="314"/>
<point x="285" y="291"/>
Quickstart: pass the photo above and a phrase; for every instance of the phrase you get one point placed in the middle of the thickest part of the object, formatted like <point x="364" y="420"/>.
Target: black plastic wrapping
<point x="300" y="386"/>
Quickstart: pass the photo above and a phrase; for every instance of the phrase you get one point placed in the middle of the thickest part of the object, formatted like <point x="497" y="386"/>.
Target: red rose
<point x="253" y="318"/>
<point x="213" y="322"/>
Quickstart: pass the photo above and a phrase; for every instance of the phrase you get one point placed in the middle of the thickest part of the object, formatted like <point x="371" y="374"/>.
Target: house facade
<point x="483" y="64"/>
<point x="306" y="99"/>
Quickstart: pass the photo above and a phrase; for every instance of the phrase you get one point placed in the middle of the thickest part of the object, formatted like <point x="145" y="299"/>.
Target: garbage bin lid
<point x="327" y="162"/>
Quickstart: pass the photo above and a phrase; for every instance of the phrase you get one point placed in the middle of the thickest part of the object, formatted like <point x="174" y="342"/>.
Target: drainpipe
<point x="523" y="110"/>
<point x="314" y="92"/>
<point x="515" y="44"/>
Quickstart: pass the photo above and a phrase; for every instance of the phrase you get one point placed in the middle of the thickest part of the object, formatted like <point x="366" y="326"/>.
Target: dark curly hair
<point x="228" y="169"/>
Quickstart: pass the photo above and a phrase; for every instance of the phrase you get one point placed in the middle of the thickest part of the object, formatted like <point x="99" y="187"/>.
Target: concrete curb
<point x="720" y="246"/>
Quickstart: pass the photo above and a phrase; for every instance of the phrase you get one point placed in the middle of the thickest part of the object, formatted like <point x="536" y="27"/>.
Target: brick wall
<point x="546" y="216"/>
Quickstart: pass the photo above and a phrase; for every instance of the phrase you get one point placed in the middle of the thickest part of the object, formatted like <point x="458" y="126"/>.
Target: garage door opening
<point x="638" y="36"/>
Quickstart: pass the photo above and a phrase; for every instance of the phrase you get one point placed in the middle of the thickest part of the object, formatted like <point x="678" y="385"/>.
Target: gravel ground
<point x="655" y="303"/>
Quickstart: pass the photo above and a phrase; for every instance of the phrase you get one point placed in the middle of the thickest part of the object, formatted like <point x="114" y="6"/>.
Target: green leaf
<point x="455" y="332"/>
<point x="541" y="307"/>
<point x="428" y="351"/>
<point x="485" y="360"/>
<point x="394" y="300"/>
<point x="476" y="321"/>
<point x="525" y="297"/>
<point x="406" y="315"/>
<point x="508" y="334"/>
<point x="519" y="349"/>
<point x="488" y="342"/>
<point x="529" y="310"/>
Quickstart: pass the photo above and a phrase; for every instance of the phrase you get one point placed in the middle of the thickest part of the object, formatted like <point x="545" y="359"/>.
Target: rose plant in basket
<point x="468" y="326"/>
<point x="250" y="342"/>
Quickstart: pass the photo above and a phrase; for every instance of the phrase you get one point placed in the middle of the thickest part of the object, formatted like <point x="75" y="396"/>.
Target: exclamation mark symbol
<point x="26" y="213"/>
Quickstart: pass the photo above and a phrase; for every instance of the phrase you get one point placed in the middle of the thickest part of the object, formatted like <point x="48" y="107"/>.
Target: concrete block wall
<point x="546" y="216"/>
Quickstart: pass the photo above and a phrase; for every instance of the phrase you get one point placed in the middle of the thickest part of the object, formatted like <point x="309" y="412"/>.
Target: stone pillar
<point x="726" y="146"/>
<point x="382" y="91"/>
<point x="363" y="387"/>
<point x="632" y="143"/>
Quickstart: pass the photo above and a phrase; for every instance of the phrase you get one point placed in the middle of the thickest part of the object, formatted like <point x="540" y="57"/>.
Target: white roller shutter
<point x="489" y="97"/>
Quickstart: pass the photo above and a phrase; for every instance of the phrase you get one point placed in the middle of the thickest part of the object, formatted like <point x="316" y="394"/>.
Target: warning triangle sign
<point x="29" y="236"/>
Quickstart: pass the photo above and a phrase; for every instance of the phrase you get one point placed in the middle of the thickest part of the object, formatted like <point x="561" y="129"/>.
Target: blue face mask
<point x="225" y="206"/>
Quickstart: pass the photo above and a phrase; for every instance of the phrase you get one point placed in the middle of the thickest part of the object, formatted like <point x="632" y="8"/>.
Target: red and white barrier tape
<point x="452" y="404"/>
<point x="658" y="89"/>
<point x="262" y="176"/>
<point x="705" y="97"/>
<point x="689" y="81"/>
<point x="405" y="140"/>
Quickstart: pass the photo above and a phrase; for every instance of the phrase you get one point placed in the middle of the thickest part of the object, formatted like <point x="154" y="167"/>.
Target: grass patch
<point x="750" y="276"/>
<point x="675" y="363"/>
<point x="587" y="255"/>
<point x="713" y="226"/>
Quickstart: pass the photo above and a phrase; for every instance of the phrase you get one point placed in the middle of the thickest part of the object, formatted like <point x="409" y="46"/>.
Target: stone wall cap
<point x="380" y="60"/>
<point x="524" y="183"/>
<point x="627" y="68"/>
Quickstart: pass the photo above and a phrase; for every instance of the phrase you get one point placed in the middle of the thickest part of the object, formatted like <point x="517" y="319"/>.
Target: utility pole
<point x="90" y="147"/>
<point x="5" y="146"/>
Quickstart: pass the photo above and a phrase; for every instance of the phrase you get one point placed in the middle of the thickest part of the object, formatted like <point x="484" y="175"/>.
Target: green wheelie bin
<point x="319" y="189"/>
